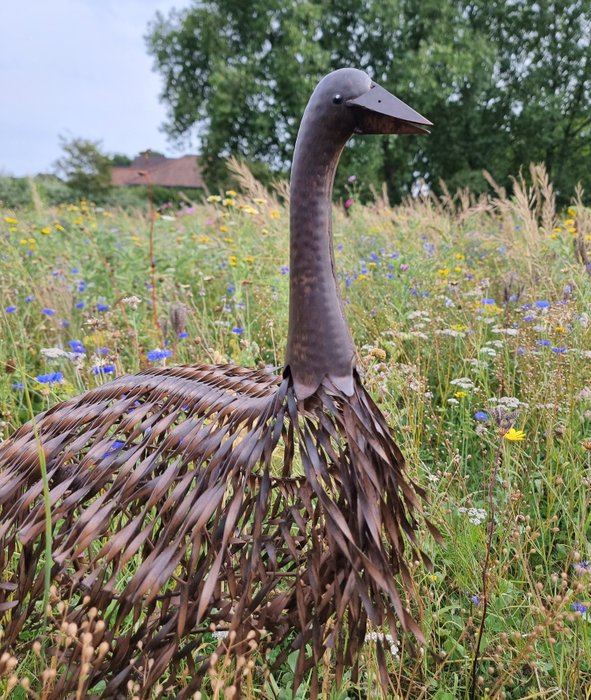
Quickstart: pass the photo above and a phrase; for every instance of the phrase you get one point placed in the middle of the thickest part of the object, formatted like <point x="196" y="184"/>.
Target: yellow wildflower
<point x="569" y="222"/>
<point x="228" y="202"/>
<point x="460" y="256"/>
<point x="259" y="200"/>
<point x="443" y="271"/>
<point x="560" y="329"/>
<point x="514" y="435"/>
<point x="228" y="240"/>
<point x="371" y="264"/>
<point x="571" y="211"/>
<point x="553" y="235"/>
<point x="248" y="259"/>
<point x="45" y="230"/>
<point x="224" y="229"/>
<point x="231" y="193"/>
<point x="460" y="394"/>
<point x="457" y="268"/>
<point x="214" y="198"/>
<point x="59" y="227"/>
<point x="12" y="229"/>
<point x="556" y="230"/>
<point x="10" y="220"/>
<point x="274" y="214"/>
<point x="572" y="229"/>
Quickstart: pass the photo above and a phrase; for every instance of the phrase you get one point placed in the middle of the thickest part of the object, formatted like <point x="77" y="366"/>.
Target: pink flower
<point x="351" y="179"/>
<point x="404" y="267"/>
<point x="348" y="203"/>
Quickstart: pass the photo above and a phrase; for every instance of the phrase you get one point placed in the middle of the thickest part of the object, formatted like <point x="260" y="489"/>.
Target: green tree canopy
<point x="505" y="82"/>
<point x="83" y="166"/>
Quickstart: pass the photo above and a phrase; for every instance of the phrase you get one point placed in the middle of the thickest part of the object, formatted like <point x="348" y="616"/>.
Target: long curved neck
<point x="319" y="341"/>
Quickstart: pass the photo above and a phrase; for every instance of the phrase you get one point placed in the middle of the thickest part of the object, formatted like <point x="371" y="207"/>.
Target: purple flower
<point x="115" y="445"/>
<point x="475" y="599"/>
<point x="77" y="346"/>
<point x="104" y="369"/>
<point x="51" y="378"/>
<point x="348" y="203"/>
<point x="17" y="386"/>
<point x="545" y="343"/>
<point x="542" y="304"/>
<point x="48" y="312"/>
<point x="81" y="286"/>
<point x="481" y="416"/>
<point x="29" y="299"/>
<point x="103" y="351"/>
<point x="10" y="309"/>
<point x="74" y="270"/>
<point x="351" y="179"/>
<point x="579" y="607"/>
<point x="404" y="267"/>
<point x="80" y="305"/>
<point x="582" y="567"/>
<point x="184" y="334"/>
<point x="155" y="355"/>
<point x="488" y="302"/>
<point x="238" y="331"/>
<point x="284" y="270"/>
<point x="559" y="351"/>
<point x="102" y="307"/>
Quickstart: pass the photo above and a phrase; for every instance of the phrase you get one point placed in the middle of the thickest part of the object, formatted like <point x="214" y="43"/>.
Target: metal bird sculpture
<point x="272" y="509"/>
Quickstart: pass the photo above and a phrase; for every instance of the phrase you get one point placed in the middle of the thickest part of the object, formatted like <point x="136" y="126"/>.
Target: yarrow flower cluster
<point x="386" y="639"/>
<point x="476" y="516"/>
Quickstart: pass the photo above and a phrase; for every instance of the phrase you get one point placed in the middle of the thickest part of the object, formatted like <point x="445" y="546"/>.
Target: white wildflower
<point x="476" y="516"/>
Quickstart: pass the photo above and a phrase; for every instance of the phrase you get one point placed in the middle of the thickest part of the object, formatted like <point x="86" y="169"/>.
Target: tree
<point x="83" y="166"/>
<point x="501" y="89"/>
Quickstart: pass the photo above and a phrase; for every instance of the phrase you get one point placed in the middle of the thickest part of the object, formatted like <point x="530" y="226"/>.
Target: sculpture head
<point x="349" y="101"/>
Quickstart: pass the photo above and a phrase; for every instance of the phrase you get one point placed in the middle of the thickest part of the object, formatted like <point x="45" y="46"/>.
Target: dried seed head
<point x="177" y="314"/>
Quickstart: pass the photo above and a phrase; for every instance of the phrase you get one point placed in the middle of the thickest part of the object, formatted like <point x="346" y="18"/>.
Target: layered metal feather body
<point x="202" y="496"/>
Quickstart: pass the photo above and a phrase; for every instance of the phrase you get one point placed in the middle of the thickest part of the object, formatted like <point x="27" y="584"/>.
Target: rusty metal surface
<point x="345" y="102"/>
<point x="194" y="496"/>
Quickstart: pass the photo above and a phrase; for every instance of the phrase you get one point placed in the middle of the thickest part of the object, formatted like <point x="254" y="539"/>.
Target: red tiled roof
<point x="165" y="172"/>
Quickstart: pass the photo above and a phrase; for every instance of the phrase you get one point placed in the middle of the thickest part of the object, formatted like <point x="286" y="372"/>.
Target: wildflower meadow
<point x="472" y="318"/>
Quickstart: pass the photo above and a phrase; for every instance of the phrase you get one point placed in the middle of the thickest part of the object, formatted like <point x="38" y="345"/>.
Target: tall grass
<point x="471" y="317"/>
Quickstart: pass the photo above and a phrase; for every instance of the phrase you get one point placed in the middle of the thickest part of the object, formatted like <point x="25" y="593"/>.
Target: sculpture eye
<point x="337" y="99"/>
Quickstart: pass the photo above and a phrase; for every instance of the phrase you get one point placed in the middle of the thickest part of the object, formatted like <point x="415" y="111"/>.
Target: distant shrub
<point x="14" y="192"/>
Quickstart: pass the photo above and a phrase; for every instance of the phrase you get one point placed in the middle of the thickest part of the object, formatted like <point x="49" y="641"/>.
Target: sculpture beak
<point x="379" y="112"/>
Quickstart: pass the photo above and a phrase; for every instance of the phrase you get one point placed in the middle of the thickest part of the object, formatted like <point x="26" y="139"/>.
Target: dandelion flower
<point x="513" y="435"/>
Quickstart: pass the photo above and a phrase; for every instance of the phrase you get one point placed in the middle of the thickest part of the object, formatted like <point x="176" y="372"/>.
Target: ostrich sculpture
<point x="272" y="509"/>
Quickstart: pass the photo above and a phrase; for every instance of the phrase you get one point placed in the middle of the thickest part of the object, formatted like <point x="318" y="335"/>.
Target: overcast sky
<point x="78" y="68"/>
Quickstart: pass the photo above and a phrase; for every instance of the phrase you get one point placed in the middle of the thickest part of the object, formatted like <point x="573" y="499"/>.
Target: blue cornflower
<point x="238" y="331"/>
<point x="559" y="351"/>
<point x="17" y="386"/>
<point x="545" y="343"/>
<point x="82" y="286"/>
<point x="529" y="318"/>
<point x="581" y="567"/>
<point x="521" y="351"/>
<point x="65" y="324"/>
<point x="104" y="369"/>
<point x="77" y="346"/>
<point x="374" y="257"/>
<point x="475" y="599"/>
<point x="488" y="302"/>
<point x="103" y="351"/>
<point x="10" y="309"/>
<point x="230" y="289"/>
<point x="115" y="445"/>
<point x="155" y="355"/>
<point x="542" y="304"/>
<point x="481" y="415"/>
<point x="102" y="307"/>
<point x="74" y="270"/>
<point x="51" y="378"/>
<point x="48" y="312"/>
<point x="184" y="334"/>
<point x="80" y="305"/>
<point x="284" y="269"/>
<point x="29" y="299"/>
<point x="348" y="282"/>
<point x="579" y="607"/>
